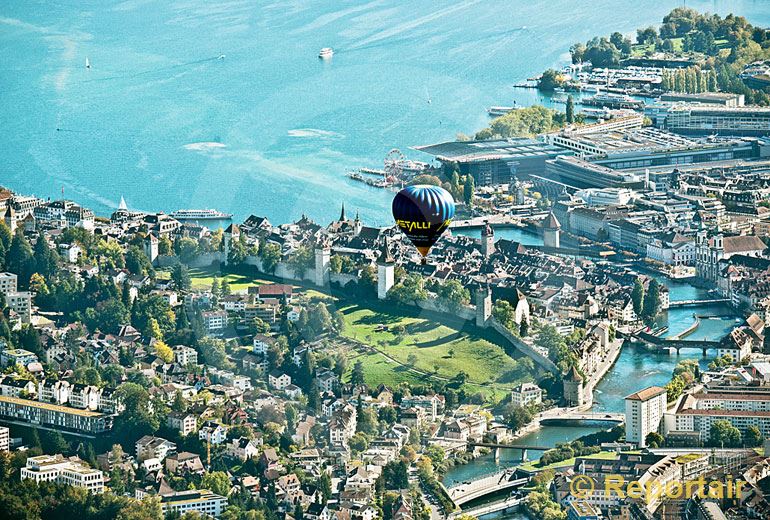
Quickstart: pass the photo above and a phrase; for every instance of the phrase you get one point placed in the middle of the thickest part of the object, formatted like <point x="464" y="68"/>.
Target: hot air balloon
<point x="423" y="212"/>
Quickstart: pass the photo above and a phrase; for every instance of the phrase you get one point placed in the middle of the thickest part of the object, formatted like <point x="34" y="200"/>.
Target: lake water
<point x="270" y="129"/>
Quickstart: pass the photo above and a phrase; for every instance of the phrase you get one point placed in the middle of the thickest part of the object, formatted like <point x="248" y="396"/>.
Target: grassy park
<point x="405" y="339"/>
<point x="406" y="345"/>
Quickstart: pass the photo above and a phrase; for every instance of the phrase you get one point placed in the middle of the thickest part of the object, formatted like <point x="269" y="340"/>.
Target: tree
<point x="214" y="352"/>
<point x="138" y="417"/>
<point x="724" y="434"/>
<point x="754" y="437"/>
<point x="395" y="475"/>
<point x="270" y="254"/>
<point x="570" y="110"/>
<point x="163" y="351"/>
<point x="357" y="376"/>
<point x="180" y="274"/>
<point x="137" y="262"/>
<point x="518" y="417"/>
<point x="652" y="300"/>
<point x="408" y="290"/>
<point x="186" y="249"/>
<point x="301" y="260"/>
<point x="20" y="260"/>
<point x="468" y="190"/>
<point x="637" y="297"/>
<point x="217" y="481"/>
<point x="452" y="295"/>
<point x="550" y="80"/>
<point x="655" y="440"/>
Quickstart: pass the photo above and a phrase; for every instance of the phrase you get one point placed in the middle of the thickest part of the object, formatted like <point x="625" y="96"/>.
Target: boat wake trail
<point x="218" y="57"/>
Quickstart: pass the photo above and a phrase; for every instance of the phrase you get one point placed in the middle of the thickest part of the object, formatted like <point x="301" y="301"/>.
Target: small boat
<point x="326" y="53"/>
<point x="221" y="57"/>
<point x="88" y="63"/>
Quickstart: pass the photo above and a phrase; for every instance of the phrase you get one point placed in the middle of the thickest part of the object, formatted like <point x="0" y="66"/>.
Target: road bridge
<point x="466" y="491"/>
<point x="486" y="509"/>
<point x="578" y="417"/>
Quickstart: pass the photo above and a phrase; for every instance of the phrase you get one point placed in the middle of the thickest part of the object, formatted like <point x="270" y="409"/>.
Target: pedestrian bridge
<point x="466" y="491"/>
<point x="677" y="344"/>
<point x="688" y="303"/>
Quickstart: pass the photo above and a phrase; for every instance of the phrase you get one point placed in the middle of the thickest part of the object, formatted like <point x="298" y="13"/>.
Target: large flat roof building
<point x="697" y="119"/>
<point x="57" y="468"/>
<point x="495" y="161"/>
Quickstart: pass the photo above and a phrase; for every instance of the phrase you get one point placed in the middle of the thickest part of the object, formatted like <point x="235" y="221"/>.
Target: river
<point x="648" y="368"/>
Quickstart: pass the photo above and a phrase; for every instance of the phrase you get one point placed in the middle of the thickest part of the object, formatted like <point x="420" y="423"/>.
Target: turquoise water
<point x="269" y="129"/>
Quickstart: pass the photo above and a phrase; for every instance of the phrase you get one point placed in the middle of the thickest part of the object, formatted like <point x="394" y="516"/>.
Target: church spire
<point x="342" y="214"/>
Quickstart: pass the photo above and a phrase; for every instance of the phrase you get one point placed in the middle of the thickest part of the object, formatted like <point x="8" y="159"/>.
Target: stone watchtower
<point x="150" y="244"/>
<point x="10" y="217"/>
<point x="232" y="232"/>
<point x="386" y="267"/>
<point x="551" y="231"/>
<point x="487" y="241"/>
<point x="483" y="305"/>
<point x="323" y="257"/>
<point x="573" y="388"/>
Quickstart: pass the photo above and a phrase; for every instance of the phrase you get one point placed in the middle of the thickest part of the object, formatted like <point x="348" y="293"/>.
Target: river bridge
<point x="464" y="492"/>
<point x="492" y="507"/>
<point x="580" y="417"/>
<point x="676" y="344"/>
<point x="689" y="303"/>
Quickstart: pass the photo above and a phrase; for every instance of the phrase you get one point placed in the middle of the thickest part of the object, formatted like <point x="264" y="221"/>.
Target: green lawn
<point x="532" y="465"/>
<point x="202" y="279"/>
<point x="485" y="363"/>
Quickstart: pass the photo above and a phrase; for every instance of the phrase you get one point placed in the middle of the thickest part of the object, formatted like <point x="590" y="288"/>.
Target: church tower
<point x="386" y="267"/>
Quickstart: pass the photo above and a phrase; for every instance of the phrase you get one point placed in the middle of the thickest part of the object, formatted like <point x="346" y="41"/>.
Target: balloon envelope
<point x="423" y="212"/>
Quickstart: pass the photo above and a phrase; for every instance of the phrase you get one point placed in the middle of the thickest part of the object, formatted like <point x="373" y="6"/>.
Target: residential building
<point x="214" y="321"/>
<point x="185" y="423"/>
<point x="185" y="355"/>
<point x="200" y="501"/>
<point x="278" y="380"/>
<point x="71" y="472"/>
<point x="54" y="416"/>
<point x="644" y="413"/>
<point x="526" y="394"/>
<point x="154" y="447"/>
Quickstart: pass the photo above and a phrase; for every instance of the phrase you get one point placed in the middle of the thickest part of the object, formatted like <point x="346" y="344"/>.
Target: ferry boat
<point x="500" y="111"/>
<point x="200" y="214"/>
<point x="326" y="53"/>
<point x="610" y="100"/>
